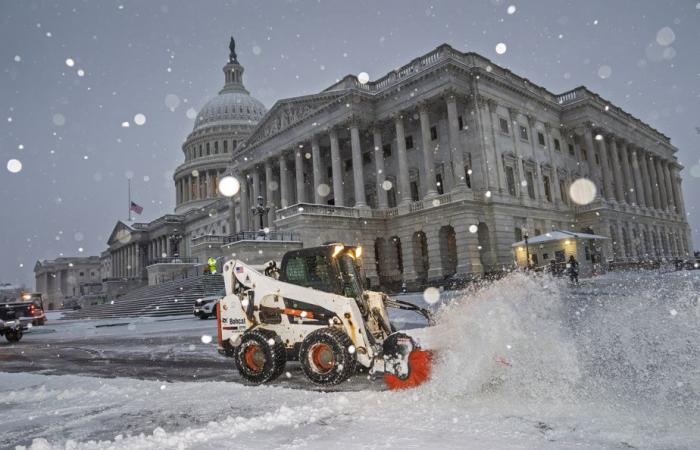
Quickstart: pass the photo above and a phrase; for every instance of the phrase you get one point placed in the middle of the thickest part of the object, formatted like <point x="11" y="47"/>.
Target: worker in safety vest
<point x="212" y="265"/>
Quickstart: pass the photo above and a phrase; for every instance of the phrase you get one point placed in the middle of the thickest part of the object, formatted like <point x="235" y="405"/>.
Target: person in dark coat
<point x="573" y="269"/>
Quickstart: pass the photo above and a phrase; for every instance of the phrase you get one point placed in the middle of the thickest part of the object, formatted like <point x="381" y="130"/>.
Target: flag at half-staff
<point x="138" y="209"/>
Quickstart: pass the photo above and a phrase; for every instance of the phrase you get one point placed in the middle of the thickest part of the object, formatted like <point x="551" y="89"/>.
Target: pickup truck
<point x="14" y="319"/>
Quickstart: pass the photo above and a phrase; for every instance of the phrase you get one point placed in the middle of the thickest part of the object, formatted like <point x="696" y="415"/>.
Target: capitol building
<point x="435" y="168"/>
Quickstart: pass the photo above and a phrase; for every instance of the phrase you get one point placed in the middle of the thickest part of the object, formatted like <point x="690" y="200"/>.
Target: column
<point x="428" y="160"/>
<point x="590" y="148"/>
<point x="605" y="164"/>
<point x="677" y="192"/>
<point x="513" y="119"/>
<point x="661" y="184"/>
<point x="670" y="195"/>
<point x="455" y="147"/>
<point x="622" y="251"/>
<point x="617" y="170"/>
<point x="645" y="178"/>
<point x="269" y="193"/>
<point x="358" y="172"/>
<point x="284" y="181"/>
<point x="256" y="186"/>
<point x="336" y="168"/>
<point x="245" y="206"/>
<point x="207" y="184"/>
<point x="382" y="201"/>
<point x="651" y="169"/>
<point x="316" y="162"/>
<point x="299" y="174"/>
<point x="554" y="189"/>
<point x="630" y="190"/>
<point x="404" y="188"/>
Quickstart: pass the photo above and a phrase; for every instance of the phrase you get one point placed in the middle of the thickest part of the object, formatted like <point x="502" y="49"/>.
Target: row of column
<point x="634" y="175"/>
<point x="645" y="241"/>
<point x="403" y="189"/>
<point x="128" y="260"/>
<point x="202" y="186"/>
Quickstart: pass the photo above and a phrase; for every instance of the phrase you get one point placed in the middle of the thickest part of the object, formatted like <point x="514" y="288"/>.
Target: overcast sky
<point x="74" y="71"/>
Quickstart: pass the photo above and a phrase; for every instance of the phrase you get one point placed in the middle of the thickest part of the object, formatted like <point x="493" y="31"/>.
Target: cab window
<point x="310" y="271"/>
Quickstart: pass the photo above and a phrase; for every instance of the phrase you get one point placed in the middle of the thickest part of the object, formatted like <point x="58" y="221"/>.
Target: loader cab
<point x="334" y="268"/>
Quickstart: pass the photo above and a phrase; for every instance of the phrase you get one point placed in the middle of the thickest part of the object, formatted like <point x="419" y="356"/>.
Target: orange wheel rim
<point x="254" y="358"/>
<point x="322" y="357"/>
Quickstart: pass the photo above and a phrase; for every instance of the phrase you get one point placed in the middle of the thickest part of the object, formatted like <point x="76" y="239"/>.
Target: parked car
<point x="205" y="307"/>
<point x="35" y="308"/>
<point x="14" y="320"/>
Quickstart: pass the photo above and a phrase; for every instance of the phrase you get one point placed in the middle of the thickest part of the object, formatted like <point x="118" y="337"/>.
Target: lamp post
<point x="260" y="210"/>
<point x="175" y="238"/>
<point x="527" y="252"/>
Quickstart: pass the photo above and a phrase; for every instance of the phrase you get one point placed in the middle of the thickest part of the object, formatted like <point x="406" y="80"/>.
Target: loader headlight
<point x="337" y="249"/>
<point x="358" y="252"/>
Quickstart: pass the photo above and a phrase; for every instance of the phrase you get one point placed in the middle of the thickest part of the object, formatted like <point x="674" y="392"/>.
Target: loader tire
<point x="261" y="356"/>
<point x="13" y="336"/>
<point x="326" y="358"/>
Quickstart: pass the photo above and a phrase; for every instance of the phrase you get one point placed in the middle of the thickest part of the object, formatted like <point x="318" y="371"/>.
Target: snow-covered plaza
<point x="528" y="362"/>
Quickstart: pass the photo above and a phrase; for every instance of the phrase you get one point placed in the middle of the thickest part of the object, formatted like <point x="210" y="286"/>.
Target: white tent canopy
<point x="557" y="235"/>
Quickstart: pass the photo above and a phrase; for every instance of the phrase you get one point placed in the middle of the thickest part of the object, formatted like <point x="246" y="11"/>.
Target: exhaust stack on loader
<point x="315" y="309"/>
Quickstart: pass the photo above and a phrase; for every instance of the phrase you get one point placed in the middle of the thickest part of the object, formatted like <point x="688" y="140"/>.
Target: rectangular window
<point x="329" y="172"/>
<point x="562" y="192"/>
<point x="386" y="150"/>
<point x="216" y="147"/>
<point x="572" y="152"/>
<point x="504" y="125"/>
<point x="208" y="152"/>
<point x="438" y="183"/>
<point x="225" y="146"/>
<point x="415" y="196"/>
<point x="200" y="150"/>
<point x="540" y="138"/>
<point x="510" y="179"/>
<point x="433" y="133"/>
<point x="597" y="159"/>
<point x="557" y="145"/>
<point x="82" y="274"/>
<point x="460" y="122"/>
<point x="547" y="190"/>
<point x="584" y="154"/>
<point x="523" y="133"/>
<point x="530" y="184"/>
<point x="366" y="157"/>
<point x="518" y="234"/>
<point x="409" y="142"/>
<point x="347" y="164"/>
<point x="467" y="175"/>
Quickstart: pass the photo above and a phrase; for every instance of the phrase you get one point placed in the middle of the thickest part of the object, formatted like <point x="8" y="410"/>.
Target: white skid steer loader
<point x="314" y="309"/>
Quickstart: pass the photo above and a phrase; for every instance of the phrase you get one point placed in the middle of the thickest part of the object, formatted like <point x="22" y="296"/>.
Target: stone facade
<point x="67" y="278"/>
<point x="435" y="169"/>
<point x="439" y="166"/>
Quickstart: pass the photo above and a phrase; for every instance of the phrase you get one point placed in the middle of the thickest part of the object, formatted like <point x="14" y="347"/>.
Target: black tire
<point x="13" y="336"/>
<point x="325" y="356"/>
<point x="261" y="356"/>
<point x="203" y="316"/>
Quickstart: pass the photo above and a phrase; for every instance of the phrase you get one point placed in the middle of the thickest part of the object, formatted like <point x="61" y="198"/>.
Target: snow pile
<point x="506" y="340"/>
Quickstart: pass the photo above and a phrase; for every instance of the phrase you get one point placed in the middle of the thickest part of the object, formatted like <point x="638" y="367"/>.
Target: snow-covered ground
<point x="524" y="363"/>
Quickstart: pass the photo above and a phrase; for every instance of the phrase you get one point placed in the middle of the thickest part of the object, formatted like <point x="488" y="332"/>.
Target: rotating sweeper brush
<point x="314" y="308"/>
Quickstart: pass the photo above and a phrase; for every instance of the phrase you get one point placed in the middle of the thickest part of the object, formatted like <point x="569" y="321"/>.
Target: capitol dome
<point x="223" y="122"/>
<point x="230" y="108"/>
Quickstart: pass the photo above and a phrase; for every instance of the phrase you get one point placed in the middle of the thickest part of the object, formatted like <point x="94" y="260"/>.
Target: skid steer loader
<point x="314" y="308"/>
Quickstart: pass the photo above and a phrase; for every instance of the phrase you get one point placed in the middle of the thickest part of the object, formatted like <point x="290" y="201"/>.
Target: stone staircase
<point x="166" y="299"/>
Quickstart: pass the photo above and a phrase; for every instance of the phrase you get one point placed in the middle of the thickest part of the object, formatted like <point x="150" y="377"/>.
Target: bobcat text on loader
<point x="315" y="309"/>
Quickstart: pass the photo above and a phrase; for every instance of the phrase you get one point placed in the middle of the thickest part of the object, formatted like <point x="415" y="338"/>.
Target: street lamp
<point x="260" y="210"/>
<point x="527" y="252"/>
<point x="175" y="239"/>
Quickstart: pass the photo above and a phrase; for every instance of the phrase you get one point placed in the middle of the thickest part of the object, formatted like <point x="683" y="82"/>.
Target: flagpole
<point x="129" y="180"/>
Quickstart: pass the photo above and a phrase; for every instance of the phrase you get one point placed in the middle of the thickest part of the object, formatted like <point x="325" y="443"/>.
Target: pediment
<point x="121" y="233"/>
<point x="288" y="112"/>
